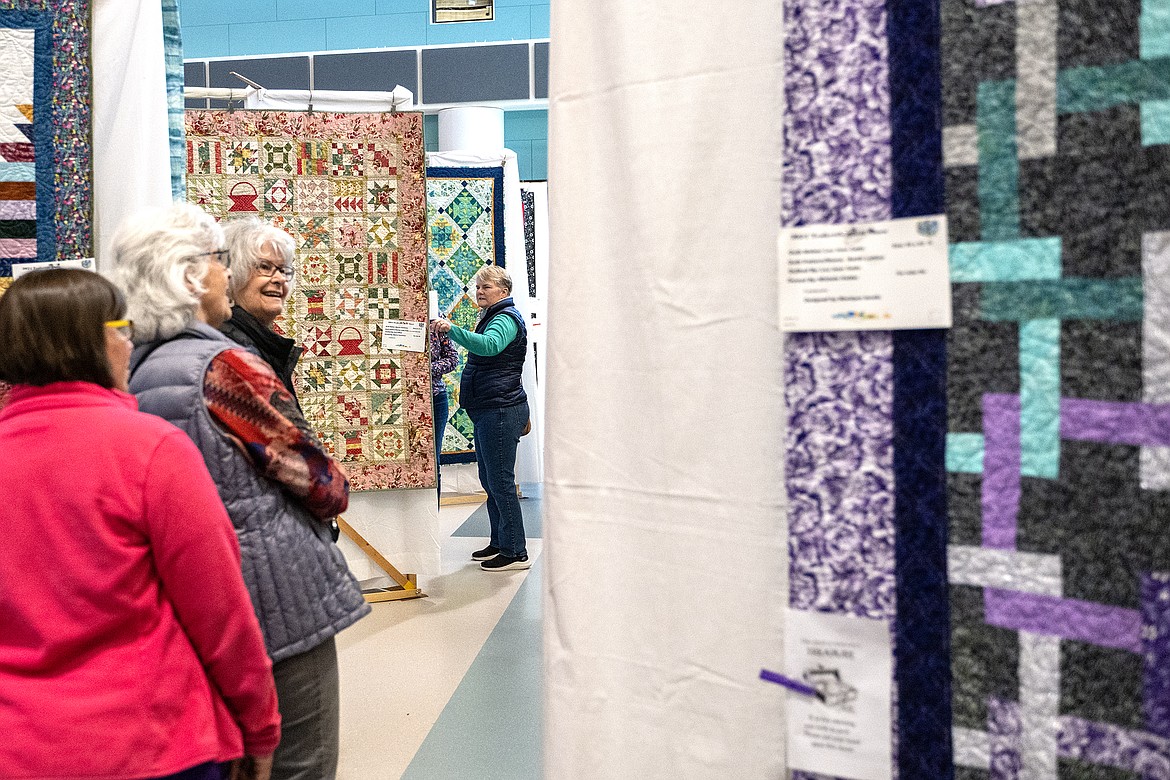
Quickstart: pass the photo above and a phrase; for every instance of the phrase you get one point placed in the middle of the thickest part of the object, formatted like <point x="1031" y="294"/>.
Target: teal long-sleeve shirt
<point x="499" y="334"/>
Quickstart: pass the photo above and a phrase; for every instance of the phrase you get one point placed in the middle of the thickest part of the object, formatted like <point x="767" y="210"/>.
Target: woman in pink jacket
<point x="128" y="645"/>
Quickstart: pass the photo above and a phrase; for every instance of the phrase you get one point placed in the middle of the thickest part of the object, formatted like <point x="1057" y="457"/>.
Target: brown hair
<point x="52" y="326"/>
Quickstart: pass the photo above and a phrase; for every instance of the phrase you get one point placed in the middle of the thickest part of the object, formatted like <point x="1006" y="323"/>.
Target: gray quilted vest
<point x="300" y="585"/>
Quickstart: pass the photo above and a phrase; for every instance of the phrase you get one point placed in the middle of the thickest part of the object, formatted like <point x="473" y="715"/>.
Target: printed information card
<point x="872" y="276"/>
<point x="84" y="263"/>
<point x="843" y="731"/>
<point x="405" y="335"/>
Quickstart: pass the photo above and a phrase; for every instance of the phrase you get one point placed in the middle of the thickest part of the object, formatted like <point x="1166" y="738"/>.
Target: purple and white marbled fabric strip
<point x="839" y="386"/>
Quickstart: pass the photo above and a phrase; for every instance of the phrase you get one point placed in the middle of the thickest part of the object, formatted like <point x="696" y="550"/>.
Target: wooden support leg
<point x="407" y="587"/>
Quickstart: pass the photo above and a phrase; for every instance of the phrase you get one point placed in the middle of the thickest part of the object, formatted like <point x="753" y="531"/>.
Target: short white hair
<point x="161" y="258"/>
<point x="246" y="238"/>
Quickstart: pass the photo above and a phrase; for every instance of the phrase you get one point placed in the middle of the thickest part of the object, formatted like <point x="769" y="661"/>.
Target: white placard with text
<point x="844" y="731"/>
<point x="404" y="335"/>
<point x="84" y="263"/>
<point x="872" y="276"/>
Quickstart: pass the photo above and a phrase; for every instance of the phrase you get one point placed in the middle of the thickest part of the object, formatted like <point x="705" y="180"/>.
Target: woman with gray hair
<point x="262" y="277"/>
<point x="279" y="485"/>
<point x="491" y="393"/>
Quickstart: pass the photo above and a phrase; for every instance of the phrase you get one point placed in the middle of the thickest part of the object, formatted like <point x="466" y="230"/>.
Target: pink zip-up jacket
<point x="128" y="644"/>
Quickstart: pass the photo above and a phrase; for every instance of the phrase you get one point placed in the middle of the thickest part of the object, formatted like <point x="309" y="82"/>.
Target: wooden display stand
<point x="454" y="499"/>
<point x="407" y="587"/>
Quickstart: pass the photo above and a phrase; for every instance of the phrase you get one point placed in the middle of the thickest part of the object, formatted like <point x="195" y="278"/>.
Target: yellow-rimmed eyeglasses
<point x="125" y="327"/>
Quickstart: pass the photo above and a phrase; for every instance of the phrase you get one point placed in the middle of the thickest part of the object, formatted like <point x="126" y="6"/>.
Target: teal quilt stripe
<point x="173" y="57"/>
<point x="965" y="453"/>
<point x="1155" y="122"/>
<point x="1101" y="87"/>
<point x="18" y="171"/>
<point x="999" y="167"/>
<point x="1063" y="299"/>
<point x="1005" y="261"/>
<point x="1155" y="29"/>
<point x="1040" y="398"/>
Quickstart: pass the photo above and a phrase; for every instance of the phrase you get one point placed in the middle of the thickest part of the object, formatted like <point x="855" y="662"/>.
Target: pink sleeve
<point x="198" y="559"/>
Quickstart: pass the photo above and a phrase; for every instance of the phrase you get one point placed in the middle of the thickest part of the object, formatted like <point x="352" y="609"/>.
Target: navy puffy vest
<point x="494" y="382"/>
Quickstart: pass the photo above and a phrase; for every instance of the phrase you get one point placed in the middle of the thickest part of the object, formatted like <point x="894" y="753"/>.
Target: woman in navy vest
<point x="493" y="397"/>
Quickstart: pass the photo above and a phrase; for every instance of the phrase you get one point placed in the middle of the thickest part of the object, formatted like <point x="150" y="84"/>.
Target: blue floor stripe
<point x="491" y="726"/>
<point x="477" y="523"/>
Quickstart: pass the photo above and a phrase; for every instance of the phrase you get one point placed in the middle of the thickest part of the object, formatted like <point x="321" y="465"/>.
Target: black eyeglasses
<point x="221" y="256"/>
<point x="268" y="270"/>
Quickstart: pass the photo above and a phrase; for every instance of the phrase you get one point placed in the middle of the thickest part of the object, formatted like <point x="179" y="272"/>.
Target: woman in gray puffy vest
<point x="279" y="485"/>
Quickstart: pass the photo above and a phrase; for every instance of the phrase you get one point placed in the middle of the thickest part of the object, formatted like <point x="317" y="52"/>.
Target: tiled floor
<point x="449" y="686"/>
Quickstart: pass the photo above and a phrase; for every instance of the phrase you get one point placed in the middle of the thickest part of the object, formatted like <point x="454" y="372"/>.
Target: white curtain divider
<point x="131" y="147"/>
<point x="665" y="530"/>
<point x="529" y="463"/>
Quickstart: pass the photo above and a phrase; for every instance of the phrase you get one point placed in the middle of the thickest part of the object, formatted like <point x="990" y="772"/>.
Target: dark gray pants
<point x="308" y="692"/>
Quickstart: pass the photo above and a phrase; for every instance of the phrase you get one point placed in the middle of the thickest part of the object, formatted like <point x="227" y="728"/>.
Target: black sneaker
<point x="486" y="554"/>
<point x="506" y="563"/>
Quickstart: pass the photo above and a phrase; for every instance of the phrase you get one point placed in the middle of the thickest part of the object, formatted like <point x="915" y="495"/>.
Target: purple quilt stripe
<point x="1004" y="728"/>
<point x="1001" y="470"/>
<point x="1103" y="744"/>
<point x="18" y="209"/>
<point x="1083" y="621"/>
<point x="1114" y="422"/>
<point x="1156" y="652"/>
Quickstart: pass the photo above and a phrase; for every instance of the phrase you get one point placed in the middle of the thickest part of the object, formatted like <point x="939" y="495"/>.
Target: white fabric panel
<point x="665" y="531"/>
<point x="529" y="460"/>
<point x="403" y="525"/>
<point x="400" y="98"/>
<point x="131" y="146"/>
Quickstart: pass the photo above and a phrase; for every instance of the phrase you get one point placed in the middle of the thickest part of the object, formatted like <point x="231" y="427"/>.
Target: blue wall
<point x="233" y="28"/>
<point x="243" y="28"/>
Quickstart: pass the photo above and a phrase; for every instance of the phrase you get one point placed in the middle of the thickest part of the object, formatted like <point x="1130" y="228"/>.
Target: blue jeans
<point x="497" y="433"/>
<point x="441" y="407"/>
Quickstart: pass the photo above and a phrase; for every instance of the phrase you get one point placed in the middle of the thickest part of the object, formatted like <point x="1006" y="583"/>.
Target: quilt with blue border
<point x="44" y="131"/>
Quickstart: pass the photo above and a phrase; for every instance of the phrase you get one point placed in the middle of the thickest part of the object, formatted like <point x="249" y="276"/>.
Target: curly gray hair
<point x="246" y="239"/>
<point x="161" y="258"/>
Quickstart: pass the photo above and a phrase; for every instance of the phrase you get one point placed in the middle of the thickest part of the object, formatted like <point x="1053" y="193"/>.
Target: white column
<point x="665" y="532"/>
